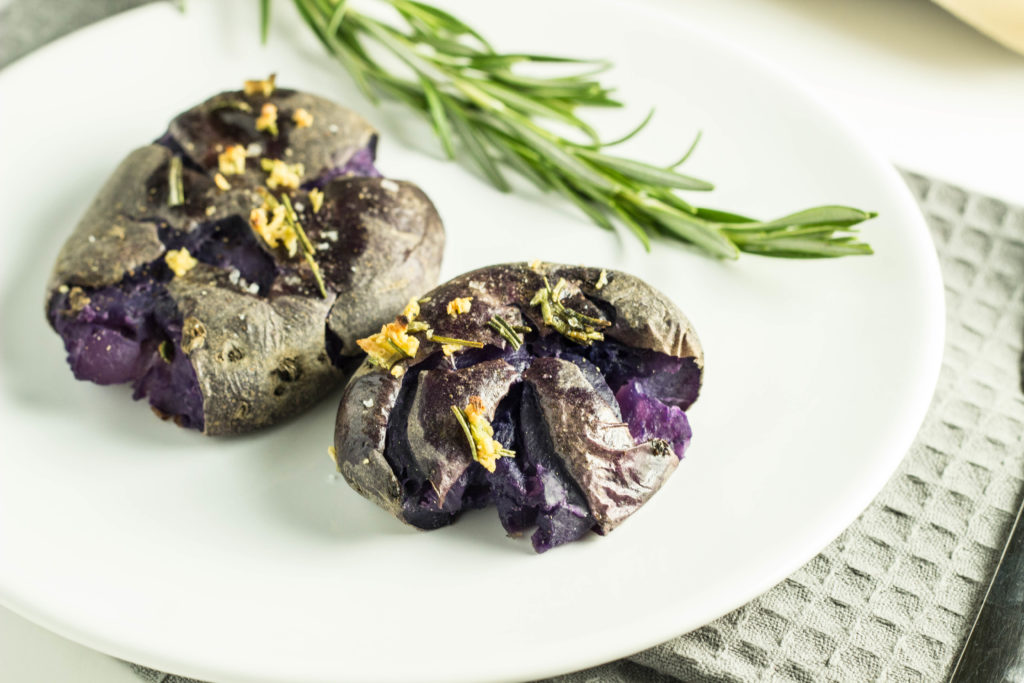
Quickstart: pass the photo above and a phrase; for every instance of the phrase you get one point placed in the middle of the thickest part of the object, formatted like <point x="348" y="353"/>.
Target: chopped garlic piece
<point x="487" y="449"/>
<point x="333" y="452"/>
<point x="316" y="199"/>
<point x="263" y="87"/>
<point x="459" y="305"/>
<point x="394" y="342"/>
<point x="449" y="349"/>
<point x="281" y="174"/>
<point x="232" y="160"/>
<point x="302" y="118"/>
<point x="221" y="182"/>
<point x="535" y="265"/>
<point x="180" y="261"/>
<point x="602" y="279"/>
<point x="267" y="119"/>
<point x="270" y="224"/>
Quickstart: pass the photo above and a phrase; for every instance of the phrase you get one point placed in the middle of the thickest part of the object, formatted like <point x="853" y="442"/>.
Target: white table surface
<point x="936" y="96"/>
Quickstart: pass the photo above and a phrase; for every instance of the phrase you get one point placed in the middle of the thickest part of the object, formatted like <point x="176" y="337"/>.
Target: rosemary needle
<point x="482" y="108"/>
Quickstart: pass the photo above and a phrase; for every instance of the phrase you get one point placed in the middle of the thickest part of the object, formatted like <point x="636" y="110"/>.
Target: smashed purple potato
<point x="596" y="422"/>
<point x="170" y="281"/>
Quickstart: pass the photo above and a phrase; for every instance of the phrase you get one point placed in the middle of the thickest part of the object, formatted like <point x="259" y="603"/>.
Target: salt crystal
<point x="331" y="235"/>
<point x="254" y="288"/>
<point x="254" y="149"/>
<point x="389" y="185"/>
<point x="323" y="246"/>
<point x="333" y="128"/>
<point x="234" y="275"/>
<point x="368" y="403"/>
<point x="92" y="238"/>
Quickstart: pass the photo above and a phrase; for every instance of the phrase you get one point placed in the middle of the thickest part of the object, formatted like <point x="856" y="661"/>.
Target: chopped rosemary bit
<point x="451" y="340"/>
<point x="509" y="332"/>
<point x="660" y="447"/>
<point x="307" y="246"/>
<point x="399" y="349"/>
<point x="480" y="434"/>
<point x="234" y="104"/>
<point x="166" y="350"/>
<point x="465" y="428"/>
<point x="175" y="183"/>
<point x="568" y="322"/>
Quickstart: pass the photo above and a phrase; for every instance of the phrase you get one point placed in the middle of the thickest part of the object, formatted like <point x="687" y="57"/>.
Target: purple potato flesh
<point x="244" y="337"/>
<point x="597" y="428"/>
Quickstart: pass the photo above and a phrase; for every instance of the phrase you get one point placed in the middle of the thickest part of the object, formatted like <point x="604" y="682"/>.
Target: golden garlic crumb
<point x="281" y="174"/>
<point x="232" y="160"/>
<point x="398" y="371"/>
<point x="602" y="279"/>
<point x="459" y="305"/>
<point x="78" y="299"/>
<point x="535" y="264"/>
<point x="210" y="210"/>
<point x="221" y="182"/>
<point x="316" y="199"/>
<point x="333" y="452"/>
<point x="449" y="349"/>
<point x="269" y="223"/>
<point x="263" y="87"/>
<point x="302" y="118"/>
<point x="394" y="342"/>
<point x="267" y="119"/>
<point x="180" y="261"/>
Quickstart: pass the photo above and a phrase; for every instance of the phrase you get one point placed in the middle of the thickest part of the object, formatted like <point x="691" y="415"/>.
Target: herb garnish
<point x="452" y="340"/>
<point x="472" y="95"/>
<point x="566" y="321"/>
<point x="292" y="220"/>
<point x="480" y="434"/>
<point x="175" y="183"/>
<point x="508" y="331"/>
<point x="307" y="246"/>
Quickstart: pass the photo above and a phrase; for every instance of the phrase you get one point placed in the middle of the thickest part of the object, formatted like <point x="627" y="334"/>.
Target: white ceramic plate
<point x="244" y="559"/>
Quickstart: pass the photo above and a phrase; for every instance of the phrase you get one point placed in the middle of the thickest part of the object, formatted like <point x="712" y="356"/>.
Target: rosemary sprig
<point x="175" y="182"/>
<point x="455" y="342"/>
<point x="461" y="418"/>
<point x="481" y="107"/>
<point x="508" y="331"/>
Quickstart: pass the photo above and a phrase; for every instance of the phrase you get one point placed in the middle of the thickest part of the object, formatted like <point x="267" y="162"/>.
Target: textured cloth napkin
<point x="891" y="599"/>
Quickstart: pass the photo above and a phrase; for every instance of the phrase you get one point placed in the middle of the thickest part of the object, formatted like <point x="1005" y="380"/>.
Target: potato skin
<point x="261" y="356"/>
<point x="573" y="413"/>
